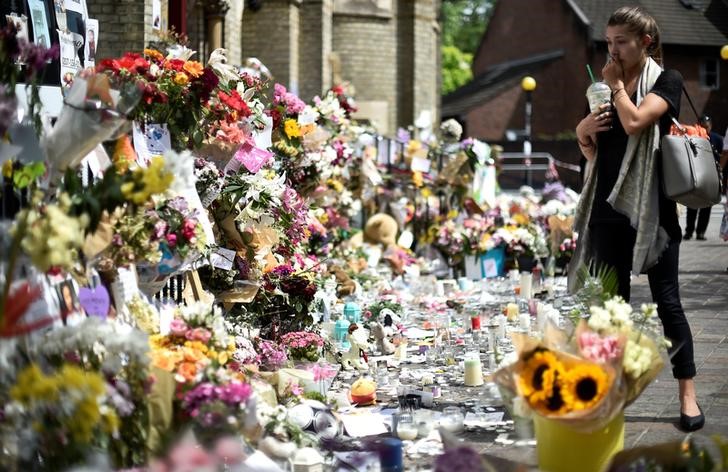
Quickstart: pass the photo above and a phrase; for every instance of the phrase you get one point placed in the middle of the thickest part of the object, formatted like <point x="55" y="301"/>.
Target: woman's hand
<point x="613" y="74"/>
<point x="594" y="123"/>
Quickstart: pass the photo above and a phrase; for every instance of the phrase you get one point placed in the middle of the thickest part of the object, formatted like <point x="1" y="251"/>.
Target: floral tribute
<point x="587" y="377"/>
<point x="303" y="345"/>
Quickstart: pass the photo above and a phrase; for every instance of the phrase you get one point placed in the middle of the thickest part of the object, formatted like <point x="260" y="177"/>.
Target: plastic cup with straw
<point x="598" y="93"/>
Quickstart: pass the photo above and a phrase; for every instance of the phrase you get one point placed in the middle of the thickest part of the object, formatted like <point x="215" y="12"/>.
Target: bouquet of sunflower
<point x="585" y="377"/>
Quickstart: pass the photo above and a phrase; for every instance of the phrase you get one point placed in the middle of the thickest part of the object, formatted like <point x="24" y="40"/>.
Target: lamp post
<point x="724" y="52"/>
<point x="528" y="84"/>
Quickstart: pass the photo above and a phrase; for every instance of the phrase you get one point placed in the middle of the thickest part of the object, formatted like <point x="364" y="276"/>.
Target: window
<point x="709" y="77"/>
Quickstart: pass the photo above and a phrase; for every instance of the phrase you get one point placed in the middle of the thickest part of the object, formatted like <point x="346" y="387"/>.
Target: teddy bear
<point x="345" y="286"/>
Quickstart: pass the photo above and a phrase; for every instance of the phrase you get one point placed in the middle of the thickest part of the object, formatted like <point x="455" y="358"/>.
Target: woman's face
<point x="627" y="48"/>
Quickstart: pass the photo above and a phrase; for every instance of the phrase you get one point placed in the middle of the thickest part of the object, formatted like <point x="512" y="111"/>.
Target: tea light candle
<point x="452" y="419"/>
<point x="525" y="283"/>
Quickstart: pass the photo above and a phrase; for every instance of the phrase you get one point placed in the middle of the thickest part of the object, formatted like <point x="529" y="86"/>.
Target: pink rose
<point x="178" y="327"/>
<point x="172" y="239"/>
<point x="199" y="334"/>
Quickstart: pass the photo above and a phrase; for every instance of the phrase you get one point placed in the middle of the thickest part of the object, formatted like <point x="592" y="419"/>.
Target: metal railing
<point x="515" y="163"/>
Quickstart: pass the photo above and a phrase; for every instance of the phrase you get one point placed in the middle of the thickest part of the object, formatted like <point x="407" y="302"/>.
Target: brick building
<point x="553" y="40"/>
<point x="127" y="25"/>
<point x="388" y="49"/>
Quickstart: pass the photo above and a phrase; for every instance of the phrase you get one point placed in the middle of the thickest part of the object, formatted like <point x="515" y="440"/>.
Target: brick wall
<point x="272" y="35"/>
<point x="315" y="47"/>
<point x="122" y="25"/>
<point x="367" y="46"/>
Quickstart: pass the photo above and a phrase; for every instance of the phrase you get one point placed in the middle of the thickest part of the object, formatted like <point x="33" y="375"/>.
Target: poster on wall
<point x="92" y="41"/>
<point x="41" y="33"/>
<point x="70" y="63"/>
<point x="76" y="23"/>
<point x="21" y="24"/>
<point x="59" y="7"/>
<point x="157" y="14"/>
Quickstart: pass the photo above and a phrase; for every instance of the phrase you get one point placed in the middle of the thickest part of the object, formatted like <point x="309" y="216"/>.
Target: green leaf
<point x="28" y="174"/>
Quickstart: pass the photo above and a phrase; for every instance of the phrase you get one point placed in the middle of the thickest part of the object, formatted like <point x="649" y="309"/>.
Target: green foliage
<point x="315" y="396"/>
<point x="456" y="70"/>
<point x="464" y="21"/>
<point x="597" y="285"/>
<point x="463" y="25"/>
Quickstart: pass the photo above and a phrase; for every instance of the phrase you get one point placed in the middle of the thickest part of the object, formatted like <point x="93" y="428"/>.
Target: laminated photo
<point x="92" y="38"/>
<point x="70" y="63"/>
<point x="41" y="33"/>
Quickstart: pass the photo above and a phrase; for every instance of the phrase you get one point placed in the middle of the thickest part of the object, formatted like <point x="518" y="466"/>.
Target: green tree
<point x="463" y="25"/>
<point x="455" y="68"/>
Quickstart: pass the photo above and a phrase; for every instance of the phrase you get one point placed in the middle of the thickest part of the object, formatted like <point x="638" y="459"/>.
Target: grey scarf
<point x="635" y="194"/>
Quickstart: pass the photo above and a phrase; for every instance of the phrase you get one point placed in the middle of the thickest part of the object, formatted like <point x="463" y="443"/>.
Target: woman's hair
<point x="639" y="22"/>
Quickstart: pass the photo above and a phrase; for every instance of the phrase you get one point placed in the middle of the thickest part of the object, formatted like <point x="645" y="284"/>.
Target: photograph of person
<point x="68" y="299"/>
<point x="91" y="44"/>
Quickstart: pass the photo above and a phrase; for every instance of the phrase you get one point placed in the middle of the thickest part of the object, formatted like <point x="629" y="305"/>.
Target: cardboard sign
<point x="95" y="301"/>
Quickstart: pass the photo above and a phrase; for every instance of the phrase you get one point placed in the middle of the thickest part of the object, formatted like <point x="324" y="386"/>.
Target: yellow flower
<point x="222" y="358"/>
<point x="8" y="169"/>
<point x="584" y="386"/>
<point x="193" y="68"/>
<point x="537" y="376"/>
<point x="452" y="214"/>
<point x="291" y="128"/>
<point x="417" y="179"/>
<point x="154" y="54"/>
<point x="426" y="192"/>
<point x="181" y="78"/>
<point x="521" y="218"/>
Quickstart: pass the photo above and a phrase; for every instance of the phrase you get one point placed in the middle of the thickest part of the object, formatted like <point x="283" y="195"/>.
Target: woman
<point x="624" y="219"/>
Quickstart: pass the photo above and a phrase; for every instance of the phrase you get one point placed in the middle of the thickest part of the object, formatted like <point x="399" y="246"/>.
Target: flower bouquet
<point x="303" y="345"/>
<point x="578" y="384"/>
<point x="93" y="112"/>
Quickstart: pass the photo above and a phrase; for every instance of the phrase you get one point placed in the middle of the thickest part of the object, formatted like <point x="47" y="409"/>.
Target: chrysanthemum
<point x="584" y="386"/>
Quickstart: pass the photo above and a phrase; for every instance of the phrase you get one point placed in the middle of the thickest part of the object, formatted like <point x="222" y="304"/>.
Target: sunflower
<point x="538" y="375"/>
<point x="584" y="386"/>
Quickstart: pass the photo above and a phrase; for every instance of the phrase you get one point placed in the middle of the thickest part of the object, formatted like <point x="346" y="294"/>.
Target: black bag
<point x="690" y="174"/>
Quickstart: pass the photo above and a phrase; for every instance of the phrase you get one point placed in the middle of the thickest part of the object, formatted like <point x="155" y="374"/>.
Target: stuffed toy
<point x="381" y="229"/>
<point x="345" y="286"/>
<point x="383" y="344"/>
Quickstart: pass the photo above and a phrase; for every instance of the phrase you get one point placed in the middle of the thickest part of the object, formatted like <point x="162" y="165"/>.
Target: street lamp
<point x="528" y="84"/>
<point x="724" y="52"/>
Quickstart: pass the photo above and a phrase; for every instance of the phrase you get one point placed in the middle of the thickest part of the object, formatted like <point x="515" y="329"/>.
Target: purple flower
<point x="466" y="143"/>
<point x="460" y="458"/>
<point x="403" y="136"/>
<point x="179" y="204"/>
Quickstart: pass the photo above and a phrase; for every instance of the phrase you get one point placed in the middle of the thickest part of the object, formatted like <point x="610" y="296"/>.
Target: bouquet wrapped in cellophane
<point x="93" y="111"/>
<point x="584" y="378"/>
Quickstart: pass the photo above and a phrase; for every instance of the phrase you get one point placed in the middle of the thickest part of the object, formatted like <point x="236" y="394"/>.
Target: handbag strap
<point x="691" y="103"/>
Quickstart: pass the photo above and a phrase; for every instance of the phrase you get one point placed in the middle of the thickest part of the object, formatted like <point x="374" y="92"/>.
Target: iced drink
<point x="598" y="94"/>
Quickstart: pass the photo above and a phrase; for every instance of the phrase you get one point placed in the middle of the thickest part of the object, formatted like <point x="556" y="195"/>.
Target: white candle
<point x="526" y="281"/>
<point x="491" y="337"/>
<point x="406" y="431"/>
<point x="524" y="321"/>
<point x="501" y="331"/>
<point x="473" y="372"/>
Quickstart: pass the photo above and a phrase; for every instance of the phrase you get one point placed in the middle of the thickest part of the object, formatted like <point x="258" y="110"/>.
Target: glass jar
<point x="406" y="427"/>
<point x="452" y="419"/>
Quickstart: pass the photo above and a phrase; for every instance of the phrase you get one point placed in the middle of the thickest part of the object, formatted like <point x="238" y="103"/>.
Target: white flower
<point x="637" y="359"/>
<point x="600" y="320"/>
<point x="308" y="116"/>
<point x="182" y="167"/>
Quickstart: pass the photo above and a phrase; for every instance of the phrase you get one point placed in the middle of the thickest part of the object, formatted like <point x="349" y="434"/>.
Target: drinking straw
<point x="591" y="74"/>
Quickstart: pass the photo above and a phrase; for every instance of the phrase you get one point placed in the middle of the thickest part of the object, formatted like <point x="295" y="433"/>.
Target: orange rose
<point x="187" y="370"/>
<point x="193" y="68"/>
<point x="163" y="361"/>
<point x="192" y="355"/>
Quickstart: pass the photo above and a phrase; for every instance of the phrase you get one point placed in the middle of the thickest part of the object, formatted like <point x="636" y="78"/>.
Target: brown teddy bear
<point x="345" y="286"/>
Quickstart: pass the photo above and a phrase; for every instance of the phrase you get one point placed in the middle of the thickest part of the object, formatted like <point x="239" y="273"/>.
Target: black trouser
<point x="613" y="245"/>
<point x="703" y="216"/>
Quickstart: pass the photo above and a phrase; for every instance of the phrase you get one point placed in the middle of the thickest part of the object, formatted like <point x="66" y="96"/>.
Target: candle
<point x="473" y="371"/>
<point x="501" y="331"/>
<point x="406" y="431"/>
<point x="512" y="311"/>
<point x="475" y="322"/>
<point x="390" y="455"/>
<point x="491" y="337"/>
<point x="524" y="321"/>
<point x="525" y="283"/>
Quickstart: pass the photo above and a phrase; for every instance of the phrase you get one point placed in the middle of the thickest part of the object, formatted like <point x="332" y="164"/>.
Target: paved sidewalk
<point x="704" y="291"/>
